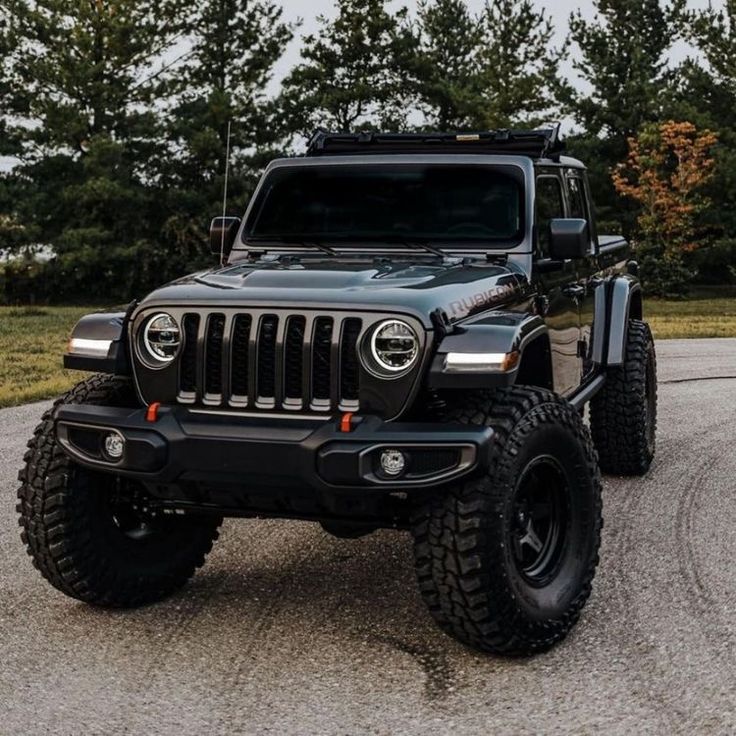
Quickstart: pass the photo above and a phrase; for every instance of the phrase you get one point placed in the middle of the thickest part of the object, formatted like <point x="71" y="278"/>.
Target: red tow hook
<point x="346" y="422"/>
<point x="152" y="411"/>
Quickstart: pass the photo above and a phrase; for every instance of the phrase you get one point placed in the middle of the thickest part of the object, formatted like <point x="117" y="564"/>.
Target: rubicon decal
<point x="468" y="305"/>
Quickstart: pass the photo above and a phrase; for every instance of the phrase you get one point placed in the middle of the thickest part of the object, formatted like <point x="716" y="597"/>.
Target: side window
<point x="577" y="198"/>
<point x="549" y="207"/>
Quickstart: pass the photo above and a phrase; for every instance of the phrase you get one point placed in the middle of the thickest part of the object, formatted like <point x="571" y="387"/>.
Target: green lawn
<point x="709" y="313"/>
<point x="32" y="340"/>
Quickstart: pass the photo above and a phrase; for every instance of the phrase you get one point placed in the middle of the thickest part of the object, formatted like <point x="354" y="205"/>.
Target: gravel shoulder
<point x="289" y="631"/>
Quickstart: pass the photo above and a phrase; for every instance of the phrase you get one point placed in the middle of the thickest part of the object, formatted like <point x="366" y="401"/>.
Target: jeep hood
<point x="458" y="288"/>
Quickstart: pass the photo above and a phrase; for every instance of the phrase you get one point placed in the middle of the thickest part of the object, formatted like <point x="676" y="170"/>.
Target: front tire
<point x="90" y="533"/>
<point x="505" y="561"/>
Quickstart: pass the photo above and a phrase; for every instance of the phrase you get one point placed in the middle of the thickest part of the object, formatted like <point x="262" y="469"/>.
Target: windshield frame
<point x="519" y="167"/>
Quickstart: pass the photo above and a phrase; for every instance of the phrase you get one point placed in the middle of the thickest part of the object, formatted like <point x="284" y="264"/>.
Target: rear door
<point x="578" y="203"/>
<point x="557" y="301"/>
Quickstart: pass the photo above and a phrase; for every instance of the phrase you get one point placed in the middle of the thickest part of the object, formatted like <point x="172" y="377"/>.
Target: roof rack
<point x="539" y="143"/>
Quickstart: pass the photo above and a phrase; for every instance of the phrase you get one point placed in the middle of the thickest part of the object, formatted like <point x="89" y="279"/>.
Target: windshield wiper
<point x="425" y="247"/>
<point x="320" y="246"/>
<point x="413" y="244"/>
<point x="288" y="241"/>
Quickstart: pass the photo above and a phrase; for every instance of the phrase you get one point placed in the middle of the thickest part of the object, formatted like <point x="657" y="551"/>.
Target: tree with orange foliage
<point x="665" y="172"/>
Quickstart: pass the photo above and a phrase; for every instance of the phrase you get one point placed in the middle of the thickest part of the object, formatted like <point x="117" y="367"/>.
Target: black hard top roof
<point x="540" y="143"/>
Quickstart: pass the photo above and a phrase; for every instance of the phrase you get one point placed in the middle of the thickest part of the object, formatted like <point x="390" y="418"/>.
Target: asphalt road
<point x="287" y="630"/>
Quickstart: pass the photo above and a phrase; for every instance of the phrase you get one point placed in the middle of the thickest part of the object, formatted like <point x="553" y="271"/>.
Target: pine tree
<point x="497" y="69"/>
<point x="714" y="33"/>
<point x="622" y="55"/>
<point x="704" y="92"/>
<point x="5" y="93"/>
<point x="444" y="68"/>
<point x="235" y="45"/>
<point x="12" y="232"/>
<point x="351" y="72"/>
<point x="518" y="77"/>
<point x="84" y="77"/>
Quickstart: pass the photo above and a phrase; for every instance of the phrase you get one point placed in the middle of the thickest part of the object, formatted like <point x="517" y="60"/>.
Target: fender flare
<point x="624" y="297"/>
<point x="98" y="343"/>
<point x="499" y="333"/>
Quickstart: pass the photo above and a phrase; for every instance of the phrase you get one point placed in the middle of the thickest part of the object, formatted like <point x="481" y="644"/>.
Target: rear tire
<point x="623" y="415"/>
<point x="505" y="561"/>
<point x="89" y="533"/>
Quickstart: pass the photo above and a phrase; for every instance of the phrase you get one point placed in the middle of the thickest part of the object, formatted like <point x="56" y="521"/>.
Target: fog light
<point x="114" y="445"/>
<point x="393" y="462"/>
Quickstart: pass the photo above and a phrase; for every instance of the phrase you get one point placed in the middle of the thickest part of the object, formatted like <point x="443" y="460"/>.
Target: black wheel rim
<point x="540" y="520"/>
<point x="130" y="512"/>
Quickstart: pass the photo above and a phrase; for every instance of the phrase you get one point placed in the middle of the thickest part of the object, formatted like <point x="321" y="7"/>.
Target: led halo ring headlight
<point x="394" y="346"/>
<point x="161" y="338"/>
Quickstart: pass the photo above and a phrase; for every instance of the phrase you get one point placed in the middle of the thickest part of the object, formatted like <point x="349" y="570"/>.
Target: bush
<point x="25" y="281"/>
<point x="106" y="276"/>
<point x="715" y="265"/>
<point x="663" y="274"/>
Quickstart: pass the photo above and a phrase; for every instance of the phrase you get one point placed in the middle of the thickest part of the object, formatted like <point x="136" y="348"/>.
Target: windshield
<point x="443" y="204"/>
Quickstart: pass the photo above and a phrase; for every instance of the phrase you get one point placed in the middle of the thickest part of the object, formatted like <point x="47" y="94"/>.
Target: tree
<point x="5" y="94"/>
<point x="12" y="232"/>
<point x="623" y="58"/>
<point x="443" y="67"/>
<point x="706" y="94"/>
<point x="714" y="33"/>
<point x="494" y="70"/>
<point x="667" y="166"/>
<point x="518" y="78"/>
<point x="87" y="68"/>
<point x="235" y="45"/>
<point x="83" y="78"/>
<point x="351" y="73"/>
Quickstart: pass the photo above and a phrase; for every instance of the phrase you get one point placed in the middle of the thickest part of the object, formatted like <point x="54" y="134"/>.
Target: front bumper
<point x="191" y="449"/>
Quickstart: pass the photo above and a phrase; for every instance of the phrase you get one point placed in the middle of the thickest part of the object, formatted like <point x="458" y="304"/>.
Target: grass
<point x="708" y="313"/>
<point x="33" y="339"/>
<point x="32" y="342"/>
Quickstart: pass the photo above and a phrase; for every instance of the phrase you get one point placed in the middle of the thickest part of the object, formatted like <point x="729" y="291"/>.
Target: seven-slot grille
<point x="270" y="360"/>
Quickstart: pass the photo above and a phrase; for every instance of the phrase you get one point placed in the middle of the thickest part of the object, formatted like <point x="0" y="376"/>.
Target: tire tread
<point x="617" y="412"/>
<point x="55" y="521"/>
<point x="460" y="572"/>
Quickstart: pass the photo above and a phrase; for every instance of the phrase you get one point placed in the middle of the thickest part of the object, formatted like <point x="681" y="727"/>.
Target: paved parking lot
<point x="287" y="630"/>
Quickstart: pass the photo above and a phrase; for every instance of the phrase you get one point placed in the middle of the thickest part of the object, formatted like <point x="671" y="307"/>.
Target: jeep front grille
<point x="270" y="360"/>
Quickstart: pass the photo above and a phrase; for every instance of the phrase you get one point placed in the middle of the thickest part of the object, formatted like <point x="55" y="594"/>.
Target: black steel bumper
<point x="185" y="448"/>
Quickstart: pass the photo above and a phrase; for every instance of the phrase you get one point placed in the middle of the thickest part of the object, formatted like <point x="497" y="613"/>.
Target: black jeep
<point x="403" y="332"/>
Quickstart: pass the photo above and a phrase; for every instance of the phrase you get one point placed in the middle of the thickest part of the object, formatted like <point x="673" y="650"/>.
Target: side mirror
<point x="222" y="234"/>
<point x="568" y="238"/>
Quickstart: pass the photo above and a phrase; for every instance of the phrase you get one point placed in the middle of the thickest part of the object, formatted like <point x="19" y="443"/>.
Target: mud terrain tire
<point x="623" y="415"/>
<point x="505" y="561"/>
<point x="85" y="540"/>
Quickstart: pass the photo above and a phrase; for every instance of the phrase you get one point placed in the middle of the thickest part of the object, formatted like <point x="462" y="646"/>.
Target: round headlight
<point x="161" y="337"/>
<point x="394" y="346"/>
